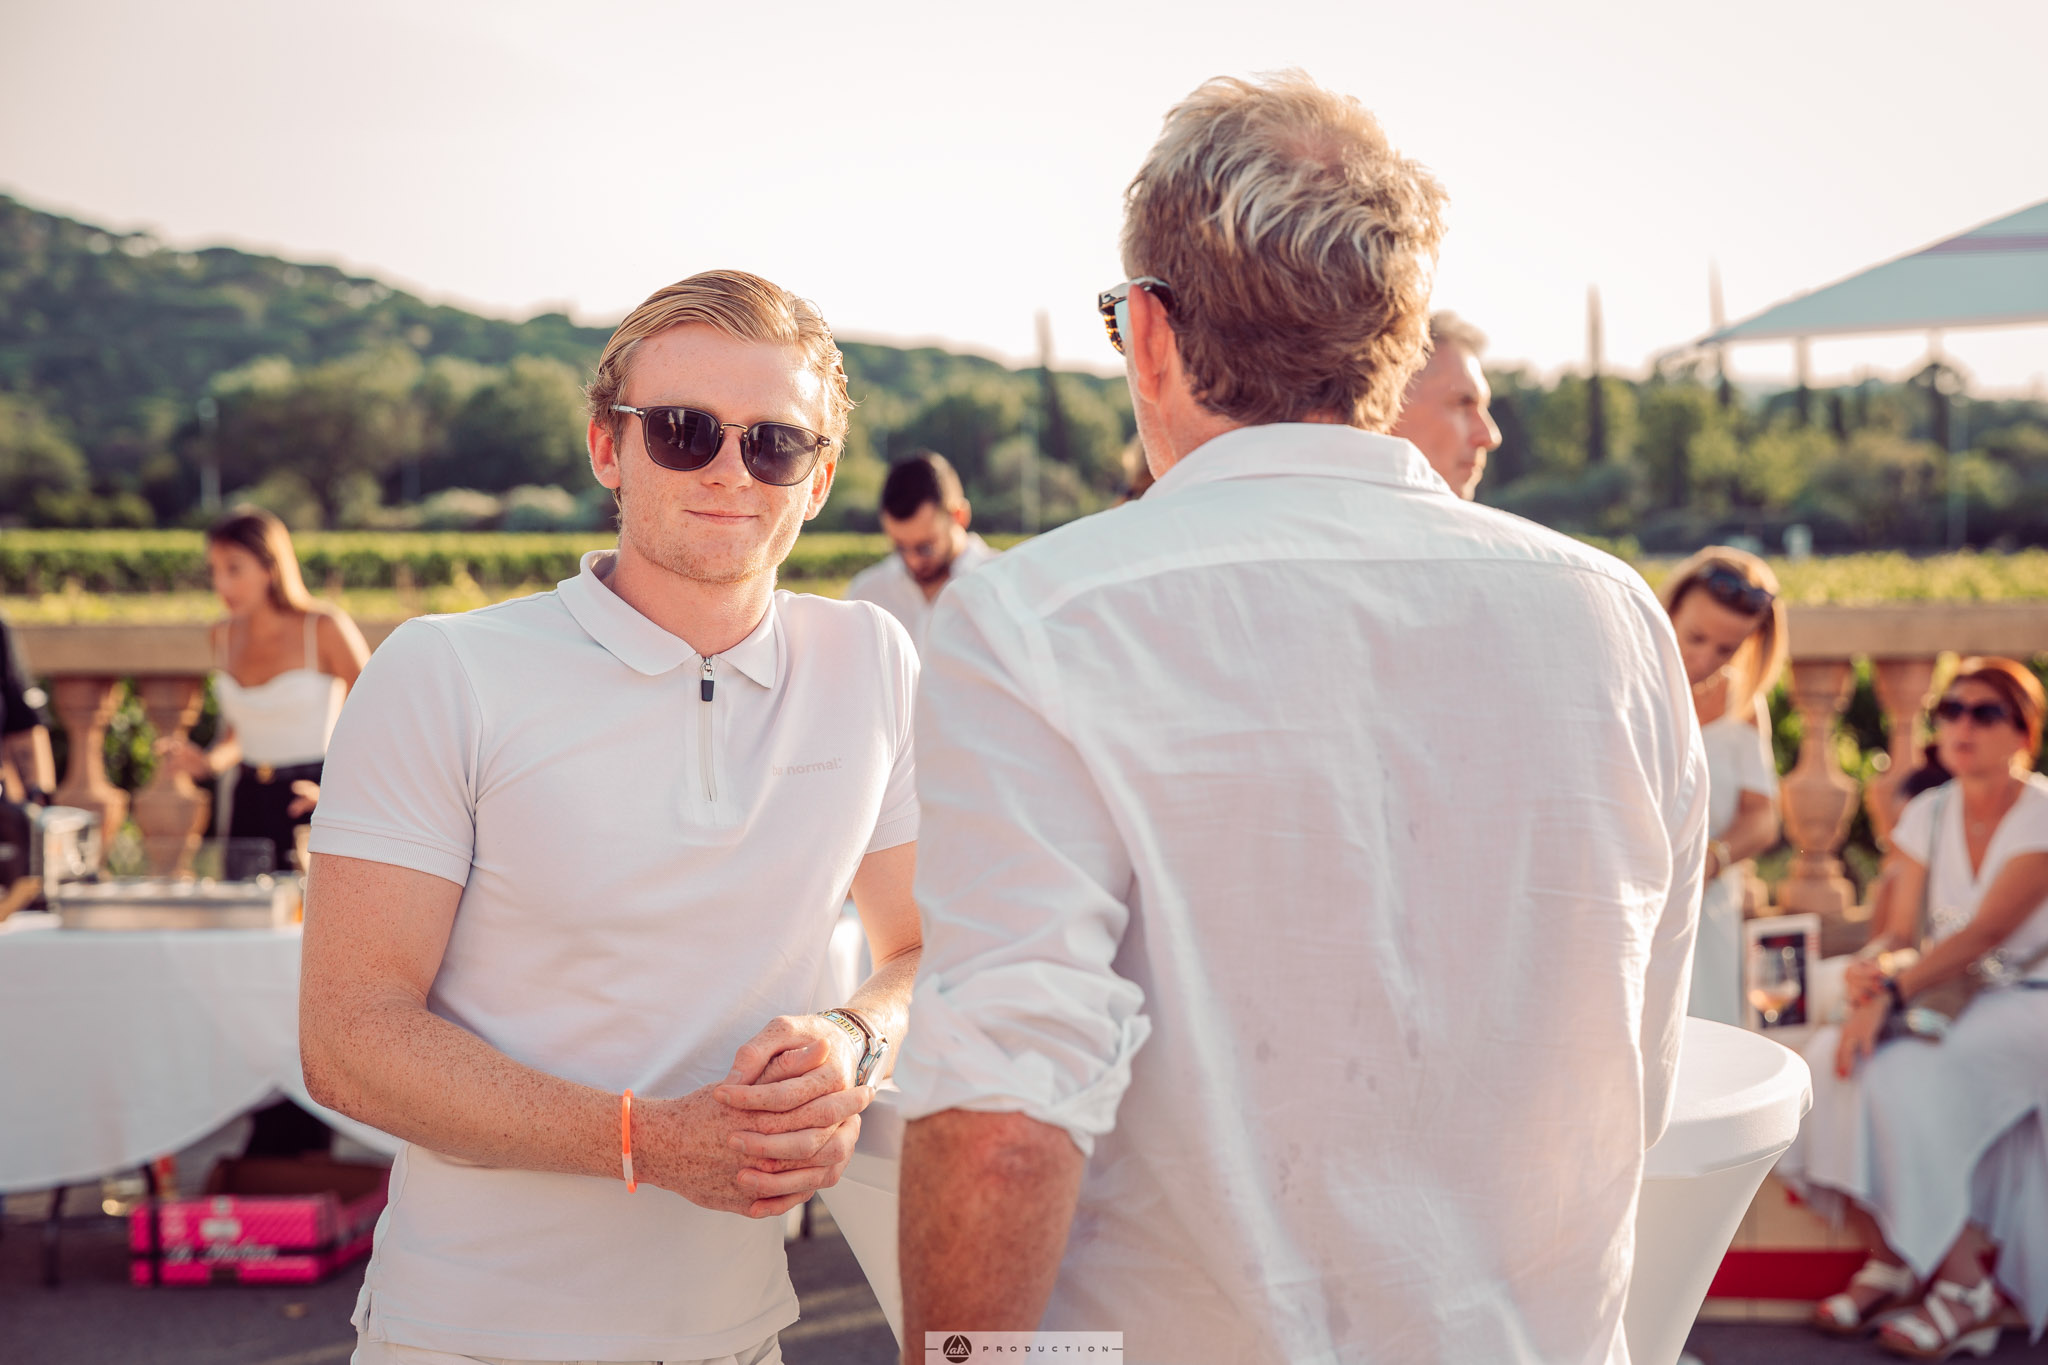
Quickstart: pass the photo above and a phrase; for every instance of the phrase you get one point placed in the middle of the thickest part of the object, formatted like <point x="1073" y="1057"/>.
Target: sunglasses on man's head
<point x="1114" y="304"/>
<point x="1983" y="714"/>
<point x="684" y="439"/>
<point x="1735" y="592"/>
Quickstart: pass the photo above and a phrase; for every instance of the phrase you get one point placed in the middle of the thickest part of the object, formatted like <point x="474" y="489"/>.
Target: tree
<point x="41" y="471"/>
<point x="965" y="422"/>
<point x="525" y="426"/>
<point x="325" y="424"/>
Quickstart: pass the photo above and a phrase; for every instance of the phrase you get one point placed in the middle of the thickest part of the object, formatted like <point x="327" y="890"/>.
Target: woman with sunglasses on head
<point x="1731" y="633"/>
<point x="1933" y="1151"/>
<point x="285" y="662"/>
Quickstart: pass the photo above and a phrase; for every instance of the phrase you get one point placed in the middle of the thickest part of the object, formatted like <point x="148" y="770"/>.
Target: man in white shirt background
<point x="1445" y="411"/>
<point x="926" y="516"/>
<point x="576" y="867"/>
<point x="1310" y="857"/>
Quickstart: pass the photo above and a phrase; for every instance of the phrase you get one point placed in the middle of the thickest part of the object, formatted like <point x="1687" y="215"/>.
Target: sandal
<point x="1842" y="1316"/>
<point x="1951" y="1318"/>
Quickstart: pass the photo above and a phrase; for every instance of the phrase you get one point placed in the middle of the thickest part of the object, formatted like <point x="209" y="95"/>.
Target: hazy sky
<point x="943" y="172"/>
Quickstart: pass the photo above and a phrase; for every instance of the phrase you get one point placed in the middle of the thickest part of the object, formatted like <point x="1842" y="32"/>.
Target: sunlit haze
<point x="943" y="172"/>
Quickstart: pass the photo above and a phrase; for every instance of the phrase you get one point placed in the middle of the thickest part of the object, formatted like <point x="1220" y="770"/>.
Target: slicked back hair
<point x="740" y="305"/>
<point x="1300" y="247"/>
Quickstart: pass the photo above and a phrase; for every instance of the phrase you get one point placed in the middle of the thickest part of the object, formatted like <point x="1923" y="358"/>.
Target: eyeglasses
<point x="1114" y="304"/>
<point x="1983" y="714"/>
<point x="1735" y="592"/>
<point x="684" y="439"/>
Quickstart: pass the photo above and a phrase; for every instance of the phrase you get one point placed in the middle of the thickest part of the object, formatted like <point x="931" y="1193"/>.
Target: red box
<point x="264" y="1220"/>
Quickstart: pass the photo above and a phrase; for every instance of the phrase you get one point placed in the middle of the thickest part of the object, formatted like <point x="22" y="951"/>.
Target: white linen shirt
<point x="888" y="585"/>
<point x="635" y="906"/>
<point x="1382" y="814"/>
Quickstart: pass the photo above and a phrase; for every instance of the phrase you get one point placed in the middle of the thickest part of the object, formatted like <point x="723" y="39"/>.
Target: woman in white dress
<point x="1933" y="1152"/>
<point x="1731" y="632"/>
<point x="285" y="664"/>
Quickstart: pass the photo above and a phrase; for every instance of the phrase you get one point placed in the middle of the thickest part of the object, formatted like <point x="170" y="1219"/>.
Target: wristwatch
<point x="873" y="1045"/>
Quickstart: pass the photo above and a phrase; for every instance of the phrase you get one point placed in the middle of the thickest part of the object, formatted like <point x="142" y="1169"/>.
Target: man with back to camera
<point x="1444" y="413"/>
<point x="575" y="868"/>
<point x="1310" y="857"/>
<point x="925" y="515"/>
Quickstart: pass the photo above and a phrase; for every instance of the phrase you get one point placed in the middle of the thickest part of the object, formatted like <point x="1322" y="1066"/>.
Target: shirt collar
<point x="645" y="647"/>
<point x="1324" y="449"/>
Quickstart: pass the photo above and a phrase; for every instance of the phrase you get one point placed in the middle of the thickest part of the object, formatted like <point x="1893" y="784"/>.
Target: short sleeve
<point x="2027" y="825"/>
<point x="399" y="785"/>
<point x="897" y="823"/>
<point x="1759" y="770"/>
<point x="1913" y="835"/>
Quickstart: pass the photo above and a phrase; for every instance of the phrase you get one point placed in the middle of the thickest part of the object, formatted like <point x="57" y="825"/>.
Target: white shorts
<point x="768" y="1352"/>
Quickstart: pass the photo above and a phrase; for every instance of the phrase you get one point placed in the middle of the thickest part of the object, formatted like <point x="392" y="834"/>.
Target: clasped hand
<point x="780" y="1127"/>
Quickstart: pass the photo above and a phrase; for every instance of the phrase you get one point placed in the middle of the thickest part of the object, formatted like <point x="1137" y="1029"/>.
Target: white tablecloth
<point x="117" y="1048"/>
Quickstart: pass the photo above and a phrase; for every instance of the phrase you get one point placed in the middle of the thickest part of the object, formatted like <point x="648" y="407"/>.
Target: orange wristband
<point x="626" y="1140"/>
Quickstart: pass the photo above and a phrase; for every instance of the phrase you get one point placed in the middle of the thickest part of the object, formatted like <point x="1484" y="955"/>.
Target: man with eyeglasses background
<point x="1444" y="413"/>
<point x="1310" y="856"/>
<point x="926" y="516"/>
<point x="576" y="867"/>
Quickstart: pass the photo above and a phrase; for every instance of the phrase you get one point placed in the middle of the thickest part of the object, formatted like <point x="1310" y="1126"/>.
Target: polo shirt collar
<point x="1323" y="449"/>
<point x="645" y="647"/>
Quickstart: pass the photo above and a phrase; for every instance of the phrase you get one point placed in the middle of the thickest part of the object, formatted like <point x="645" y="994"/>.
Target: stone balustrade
<point x="86" y="665"/>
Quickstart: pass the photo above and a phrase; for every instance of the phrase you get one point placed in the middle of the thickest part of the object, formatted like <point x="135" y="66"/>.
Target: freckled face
<point x="718" y="524"/>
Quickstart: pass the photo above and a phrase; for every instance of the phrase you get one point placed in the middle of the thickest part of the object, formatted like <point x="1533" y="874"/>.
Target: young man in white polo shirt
<point x="576" y="865"/>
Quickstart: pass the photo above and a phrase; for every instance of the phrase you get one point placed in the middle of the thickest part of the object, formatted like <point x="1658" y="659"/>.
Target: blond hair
<point x="1299" y="246"/>
<point x="740" y="305"/>
<point x="1759" y="660"/>
<point x="270" y="544"/>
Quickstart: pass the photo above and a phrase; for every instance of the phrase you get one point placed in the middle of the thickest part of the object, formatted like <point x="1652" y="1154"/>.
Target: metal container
<point x="66" y="848"/>
<point x="161" y="903"/>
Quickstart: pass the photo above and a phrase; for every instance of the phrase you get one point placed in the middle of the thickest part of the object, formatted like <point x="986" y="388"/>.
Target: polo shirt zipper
<point x="705" y="685"/>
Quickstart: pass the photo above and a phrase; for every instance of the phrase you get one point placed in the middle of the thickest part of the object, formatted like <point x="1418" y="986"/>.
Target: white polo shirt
<point x="648" y="878"/>
<point x="888" y="585"/>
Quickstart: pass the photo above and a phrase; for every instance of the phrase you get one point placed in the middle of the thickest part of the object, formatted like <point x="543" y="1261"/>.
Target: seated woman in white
<point x="1732" y="635"/>
<point x="1933" y="1152"/>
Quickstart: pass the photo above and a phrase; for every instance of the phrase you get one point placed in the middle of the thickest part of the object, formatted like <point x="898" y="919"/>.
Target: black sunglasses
<point x="684" y="439"/>
<point x="1735" y="592"/>
<point x="1984" y="714"/>
<point x="1114" y="304"/>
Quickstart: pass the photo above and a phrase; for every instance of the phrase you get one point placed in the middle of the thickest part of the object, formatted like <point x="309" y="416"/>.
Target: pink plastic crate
<point x="264" y="1221"/>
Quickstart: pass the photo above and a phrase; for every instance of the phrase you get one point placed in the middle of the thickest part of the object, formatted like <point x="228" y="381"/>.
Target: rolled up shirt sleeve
<point x="1022" y="882"/>
<point x="399" y="785"/>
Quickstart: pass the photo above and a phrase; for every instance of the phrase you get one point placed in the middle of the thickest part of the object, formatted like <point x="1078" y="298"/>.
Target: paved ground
<point x="96" y="1318"/>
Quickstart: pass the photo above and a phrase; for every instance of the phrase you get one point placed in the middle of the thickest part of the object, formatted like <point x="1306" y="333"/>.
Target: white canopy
<point x="1991" y="276"/>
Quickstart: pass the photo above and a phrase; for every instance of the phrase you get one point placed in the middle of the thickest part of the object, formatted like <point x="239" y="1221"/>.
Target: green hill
<point x="108" y="342"/>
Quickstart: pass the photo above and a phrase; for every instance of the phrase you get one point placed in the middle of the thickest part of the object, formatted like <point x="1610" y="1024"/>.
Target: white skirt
<point x="1931" y="1136"/>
